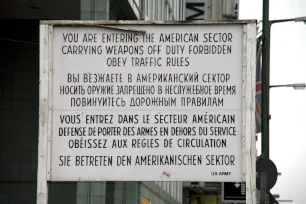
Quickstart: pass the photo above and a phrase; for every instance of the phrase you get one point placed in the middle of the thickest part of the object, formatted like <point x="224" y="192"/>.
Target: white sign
<point x="150" y="102"/>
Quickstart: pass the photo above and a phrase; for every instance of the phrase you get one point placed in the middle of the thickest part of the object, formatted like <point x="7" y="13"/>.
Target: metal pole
<point x="265" y="116"/>
<point x="263" y="188"/>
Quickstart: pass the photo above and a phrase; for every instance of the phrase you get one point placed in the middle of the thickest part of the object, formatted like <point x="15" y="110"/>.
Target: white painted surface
<point x="44" y="115"/>
<point x="249" y="114"/>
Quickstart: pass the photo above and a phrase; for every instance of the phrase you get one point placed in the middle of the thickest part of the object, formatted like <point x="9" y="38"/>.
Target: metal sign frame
<point x="248" y="97"/>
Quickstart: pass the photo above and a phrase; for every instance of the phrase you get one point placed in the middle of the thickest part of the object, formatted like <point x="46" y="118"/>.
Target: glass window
<point x="170" y="14"/>
<point x="162" y="185"/>
<point x="173" y="189"/>
<point x="145" y="200"/>
<point x="167" y="12"/>
<point x="172" y="5"/>
<point x="164" y="10"/>
<point x="169" y="187"/>
<point x="178" y="192"/>
<point x="173" y="8"/>
<point x="156" y="10"/>
<point x="160" y="10"/>
<point x="178" y="10"/>
<point x="147" y="8"/>
<point x="152" y="10"/>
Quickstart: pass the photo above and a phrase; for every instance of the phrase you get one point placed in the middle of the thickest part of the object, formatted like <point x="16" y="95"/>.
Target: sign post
<point x="137" y="101"/>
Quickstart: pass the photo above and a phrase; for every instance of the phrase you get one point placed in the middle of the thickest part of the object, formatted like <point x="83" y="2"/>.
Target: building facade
<point x="197" y="192"/>
<point x="19" y="101"/>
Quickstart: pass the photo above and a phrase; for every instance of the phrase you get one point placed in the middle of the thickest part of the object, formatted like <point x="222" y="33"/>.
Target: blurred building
<point x="19" y="101"/>
<point x="214" y="10"/>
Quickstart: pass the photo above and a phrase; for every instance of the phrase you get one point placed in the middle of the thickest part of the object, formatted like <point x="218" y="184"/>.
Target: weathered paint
<point x="44" y="123"/>
<point x="248" y="127"/>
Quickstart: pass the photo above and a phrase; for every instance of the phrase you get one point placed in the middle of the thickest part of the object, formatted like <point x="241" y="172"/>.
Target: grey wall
<point x="62" y="193"/>
<point x="18" y="111"/>
<point x="19" y="86"/>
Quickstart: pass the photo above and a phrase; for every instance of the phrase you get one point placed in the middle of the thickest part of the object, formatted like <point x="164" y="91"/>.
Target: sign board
<point x="147" y="102"/>
<point x="234" y="192"/>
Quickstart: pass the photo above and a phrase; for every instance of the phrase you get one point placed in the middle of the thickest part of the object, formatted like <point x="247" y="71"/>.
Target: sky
<point x="287" y="106"/>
